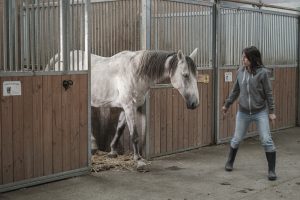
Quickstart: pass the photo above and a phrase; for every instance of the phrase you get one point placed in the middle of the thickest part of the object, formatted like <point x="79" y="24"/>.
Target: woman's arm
<point x="235" y="92"/>
<point x="268" y="92"/>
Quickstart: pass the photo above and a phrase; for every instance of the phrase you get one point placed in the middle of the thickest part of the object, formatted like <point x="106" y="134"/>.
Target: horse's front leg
<point x="120" y="129"/>
<point x="130" y="113"/>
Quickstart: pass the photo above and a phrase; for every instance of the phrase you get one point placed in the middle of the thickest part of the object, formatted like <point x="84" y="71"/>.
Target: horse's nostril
<point x="192" y="105"/>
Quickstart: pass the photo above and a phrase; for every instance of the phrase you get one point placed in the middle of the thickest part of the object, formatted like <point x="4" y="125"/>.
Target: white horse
<point x="124" y="79"/>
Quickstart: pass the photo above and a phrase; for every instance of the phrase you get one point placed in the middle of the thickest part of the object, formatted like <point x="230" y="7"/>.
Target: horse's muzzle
<point x="192" y="104"/>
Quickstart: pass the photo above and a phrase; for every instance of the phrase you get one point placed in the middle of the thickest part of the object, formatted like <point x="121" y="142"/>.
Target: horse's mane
<point x="152" y="64"/>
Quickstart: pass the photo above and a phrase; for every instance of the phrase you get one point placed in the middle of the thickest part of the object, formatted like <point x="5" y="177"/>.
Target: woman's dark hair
<point x="254" y="56"/>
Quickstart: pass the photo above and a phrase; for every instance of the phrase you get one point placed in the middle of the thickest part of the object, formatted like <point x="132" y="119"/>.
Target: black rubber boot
<point x="231" y="157"/>
<point x="271" y="157"/>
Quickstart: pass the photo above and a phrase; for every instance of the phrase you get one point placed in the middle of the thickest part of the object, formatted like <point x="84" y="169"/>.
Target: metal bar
<point x="22" y="35"/>
<point x="235" y="6"/>
<point x="298" y="76"/>
<point x="88" y="65"/>
<point x="83" y="32"/>
<point x="64" y="12"/>
<point x="38" y="35"/>
<point x="145" y="24"/>
<point x="11" y="32"/>
<point x="78" y="39"/>
<point x="146" y="108"/>
<point x="16" y="34"/>
<point x="44" y="42"/>
<point x="193" y="2"/>
<point x="27" y="45"/>
<point x="261" y="5"/>
<point x="5" y="34"/>
<point x="40" y="73"/>
<point x="72" y="35"/>
<point x="215" y="68"/>
<point x="32" y="37"/>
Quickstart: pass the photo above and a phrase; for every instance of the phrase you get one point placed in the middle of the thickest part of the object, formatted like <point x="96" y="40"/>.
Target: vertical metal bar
<point x="216" y="41"/>
<point x="22" y="33"/>
<point x="11" y="29"/>
<point x="145" y="44"/>
<point x="194" y="31"/>
<point x="136" y="10"/>
<point x="64" y="13"/>
<point x="17" y="41"/>
<point x="298" y="73"/>
<point x="83" y="7"/>
<point x="188" y="18"/>
<point x="145" y="24"/>
<point x="77" y="34"/>
<point x="207" y="33"/>
<point x="96" y="28"/>
<point x="50" y="29"/>
<point x="44" y="42"/>
<point x="32" y="36"/>
<point x="5" y="34"/>
<point x="51" y="33"/>
<point x="71" y="47"/>
<point x="88" y="65"/>
<point x="201" y="24"/>
<point x="26" y="43"/>
<point x="38" y="31"/>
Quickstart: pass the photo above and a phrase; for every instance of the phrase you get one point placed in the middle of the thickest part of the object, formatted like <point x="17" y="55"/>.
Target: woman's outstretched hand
<point x="272" y="118"/>
<point x="224" y="110"/>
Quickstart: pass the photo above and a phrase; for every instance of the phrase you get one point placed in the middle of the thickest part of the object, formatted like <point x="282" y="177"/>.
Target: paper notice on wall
<point x="228" y="76"/>
<point x="12" y="88"/>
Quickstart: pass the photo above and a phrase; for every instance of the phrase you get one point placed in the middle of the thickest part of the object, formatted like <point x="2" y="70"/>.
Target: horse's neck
<point x="166" y="74"/>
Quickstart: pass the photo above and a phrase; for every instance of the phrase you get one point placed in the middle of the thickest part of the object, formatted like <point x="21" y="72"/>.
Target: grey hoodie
<point x="255" y="91"/>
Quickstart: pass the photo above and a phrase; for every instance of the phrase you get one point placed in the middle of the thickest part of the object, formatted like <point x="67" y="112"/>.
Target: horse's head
<point x="183" y="78"/>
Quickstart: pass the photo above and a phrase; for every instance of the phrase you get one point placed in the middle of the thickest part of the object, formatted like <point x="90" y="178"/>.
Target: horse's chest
<point x="139" y="98"/>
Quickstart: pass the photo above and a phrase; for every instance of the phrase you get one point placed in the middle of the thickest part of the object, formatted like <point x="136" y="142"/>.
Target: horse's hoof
<point x="142" y="166"/>
<point x="93" y="151"/>
<point x="136" y="157"/>
<point x="112" y="154"/>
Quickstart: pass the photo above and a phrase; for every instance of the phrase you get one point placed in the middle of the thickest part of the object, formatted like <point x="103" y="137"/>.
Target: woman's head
<point x="252" y="58"/>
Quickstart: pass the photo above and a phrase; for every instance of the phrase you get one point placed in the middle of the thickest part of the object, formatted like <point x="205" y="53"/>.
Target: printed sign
<point x="228" y="76"/>
<point x="11" y="88"/>
<point x="203" y="78"/>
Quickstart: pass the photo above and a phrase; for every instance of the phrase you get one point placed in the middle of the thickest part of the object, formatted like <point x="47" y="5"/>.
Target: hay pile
<point x="101" y="162"/>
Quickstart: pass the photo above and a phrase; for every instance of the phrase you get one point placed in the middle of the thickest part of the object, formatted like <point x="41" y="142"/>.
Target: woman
<point x="256" y="104"/>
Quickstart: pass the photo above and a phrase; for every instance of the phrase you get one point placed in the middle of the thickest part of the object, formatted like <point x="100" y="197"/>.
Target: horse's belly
<point x="104" y="93"/>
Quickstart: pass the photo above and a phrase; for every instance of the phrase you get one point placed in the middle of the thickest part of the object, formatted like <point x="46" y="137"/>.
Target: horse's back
<point x="76" y="61"/>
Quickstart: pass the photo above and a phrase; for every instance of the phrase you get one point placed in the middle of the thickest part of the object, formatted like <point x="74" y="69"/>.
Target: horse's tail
<point x="51" y="65"/>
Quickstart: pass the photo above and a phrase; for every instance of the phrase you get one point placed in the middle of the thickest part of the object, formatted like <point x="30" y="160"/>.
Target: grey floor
<point x="197" y="174"/>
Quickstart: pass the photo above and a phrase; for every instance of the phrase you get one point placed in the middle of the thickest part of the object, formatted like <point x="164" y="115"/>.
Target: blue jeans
<point x="261" y="119"/>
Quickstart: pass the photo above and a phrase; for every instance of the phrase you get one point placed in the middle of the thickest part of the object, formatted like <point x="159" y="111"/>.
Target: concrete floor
<point x="197" y="174"/>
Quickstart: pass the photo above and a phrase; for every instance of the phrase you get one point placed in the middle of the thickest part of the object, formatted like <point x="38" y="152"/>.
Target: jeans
<point x="261" y="119"/>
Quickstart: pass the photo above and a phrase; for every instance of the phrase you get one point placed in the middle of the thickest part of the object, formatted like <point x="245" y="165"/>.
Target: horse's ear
<point x="180" y="55"/>
<point x="194" y="54"/>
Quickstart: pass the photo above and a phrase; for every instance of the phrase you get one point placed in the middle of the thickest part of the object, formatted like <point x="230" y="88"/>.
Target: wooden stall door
<point x="44" y="131"/>
<point x="173" y="127"/>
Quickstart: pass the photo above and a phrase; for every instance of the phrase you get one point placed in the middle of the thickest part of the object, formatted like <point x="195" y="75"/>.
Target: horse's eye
<point x="185" y="75"/>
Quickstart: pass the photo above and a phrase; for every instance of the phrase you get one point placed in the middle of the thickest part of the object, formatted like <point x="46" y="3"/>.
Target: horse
<point x="124" y="79"/>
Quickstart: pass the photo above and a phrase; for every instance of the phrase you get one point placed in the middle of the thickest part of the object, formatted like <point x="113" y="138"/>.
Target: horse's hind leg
<point x="130" y="113"/>
<point x="120" y="129"/>
<point x="141" y="116"/>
